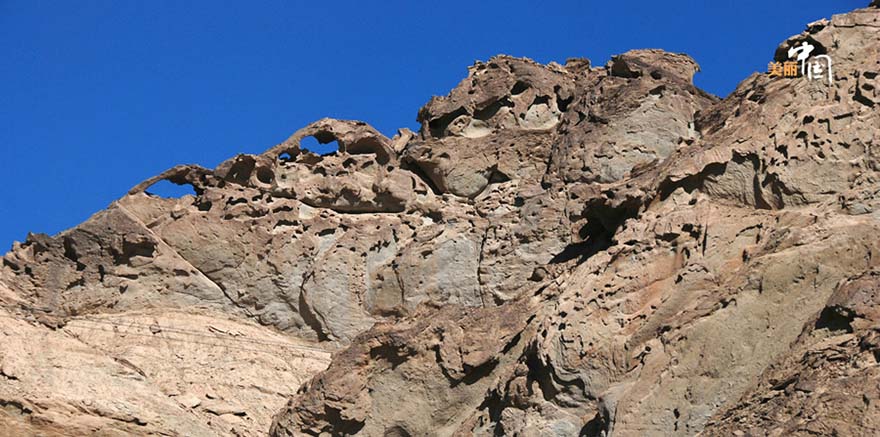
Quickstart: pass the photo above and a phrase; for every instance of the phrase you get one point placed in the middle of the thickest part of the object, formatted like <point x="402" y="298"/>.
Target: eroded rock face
<point x="152" y="372"/>
<point x="828" y="382"/>
<point x="734" y="241"/>
<point x="560" y="249"/>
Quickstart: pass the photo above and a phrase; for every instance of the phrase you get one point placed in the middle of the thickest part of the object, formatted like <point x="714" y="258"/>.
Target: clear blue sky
<point x="96" y="96"/>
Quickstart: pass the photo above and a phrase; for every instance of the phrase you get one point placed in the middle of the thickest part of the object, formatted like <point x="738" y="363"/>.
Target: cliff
<point x="560" y="250"/>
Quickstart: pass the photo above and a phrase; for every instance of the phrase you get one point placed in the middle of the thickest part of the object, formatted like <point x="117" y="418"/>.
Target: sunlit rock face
<point x="560" y="249"/>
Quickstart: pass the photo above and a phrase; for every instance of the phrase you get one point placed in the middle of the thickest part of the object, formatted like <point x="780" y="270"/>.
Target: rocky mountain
<point x="560" y="250"/>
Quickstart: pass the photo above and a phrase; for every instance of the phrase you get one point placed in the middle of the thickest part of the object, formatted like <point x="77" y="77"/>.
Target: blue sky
<point x="96" y="96"/>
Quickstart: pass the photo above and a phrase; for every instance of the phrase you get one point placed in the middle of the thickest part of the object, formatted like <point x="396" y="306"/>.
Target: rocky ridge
<point x="560" y="249"/>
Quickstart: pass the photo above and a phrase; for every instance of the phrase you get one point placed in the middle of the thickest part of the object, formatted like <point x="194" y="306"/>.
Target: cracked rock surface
<point x="560" y="250"/>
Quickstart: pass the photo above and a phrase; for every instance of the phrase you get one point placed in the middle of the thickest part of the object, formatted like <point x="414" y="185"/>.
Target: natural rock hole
<point x="169" y="190"/>
<point x="265" y="175"/>
<point x="320" y="146"/>
<point x="602" y="223"/>
<point x="438" y="125"/>
<point x="241" y="170"/>
<point x="836" y="319"/>
<point x="489" y="111"/>
<point x="519" y="87"/>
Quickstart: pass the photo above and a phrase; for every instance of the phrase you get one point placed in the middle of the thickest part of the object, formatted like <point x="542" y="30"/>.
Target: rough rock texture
<point x="560" y="250"/>
<point x="150" y="372"/>
<point x="829" y="382"/>
<point x="704" y="242"/>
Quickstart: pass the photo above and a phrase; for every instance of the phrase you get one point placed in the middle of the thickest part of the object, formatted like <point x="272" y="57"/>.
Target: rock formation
<point x="560" y="250"/>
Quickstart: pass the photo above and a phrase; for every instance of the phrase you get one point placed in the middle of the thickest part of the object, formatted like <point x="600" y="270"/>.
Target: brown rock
<point x="694" y="268"/>
<point x="560" y="250"/>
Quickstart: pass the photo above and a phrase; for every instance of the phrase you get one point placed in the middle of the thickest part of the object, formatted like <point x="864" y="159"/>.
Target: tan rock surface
<point x="560" y="250"/>
<point x="148" y="372"/>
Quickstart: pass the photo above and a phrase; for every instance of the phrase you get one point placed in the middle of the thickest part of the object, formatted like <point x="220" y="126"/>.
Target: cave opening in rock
<point x="437" y="126"/>
<point x="519" y="87"/>
<point x="603" y="220"/>
<point x="265" y="175"/>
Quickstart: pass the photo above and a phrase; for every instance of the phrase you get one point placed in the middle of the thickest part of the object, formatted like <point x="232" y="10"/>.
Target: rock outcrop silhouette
<point x="560" y="250"/>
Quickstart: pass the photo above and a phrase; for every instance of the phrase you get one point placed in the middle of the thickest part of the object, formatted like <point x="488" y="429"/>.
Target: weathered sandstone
<point x="560" y="250"/>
